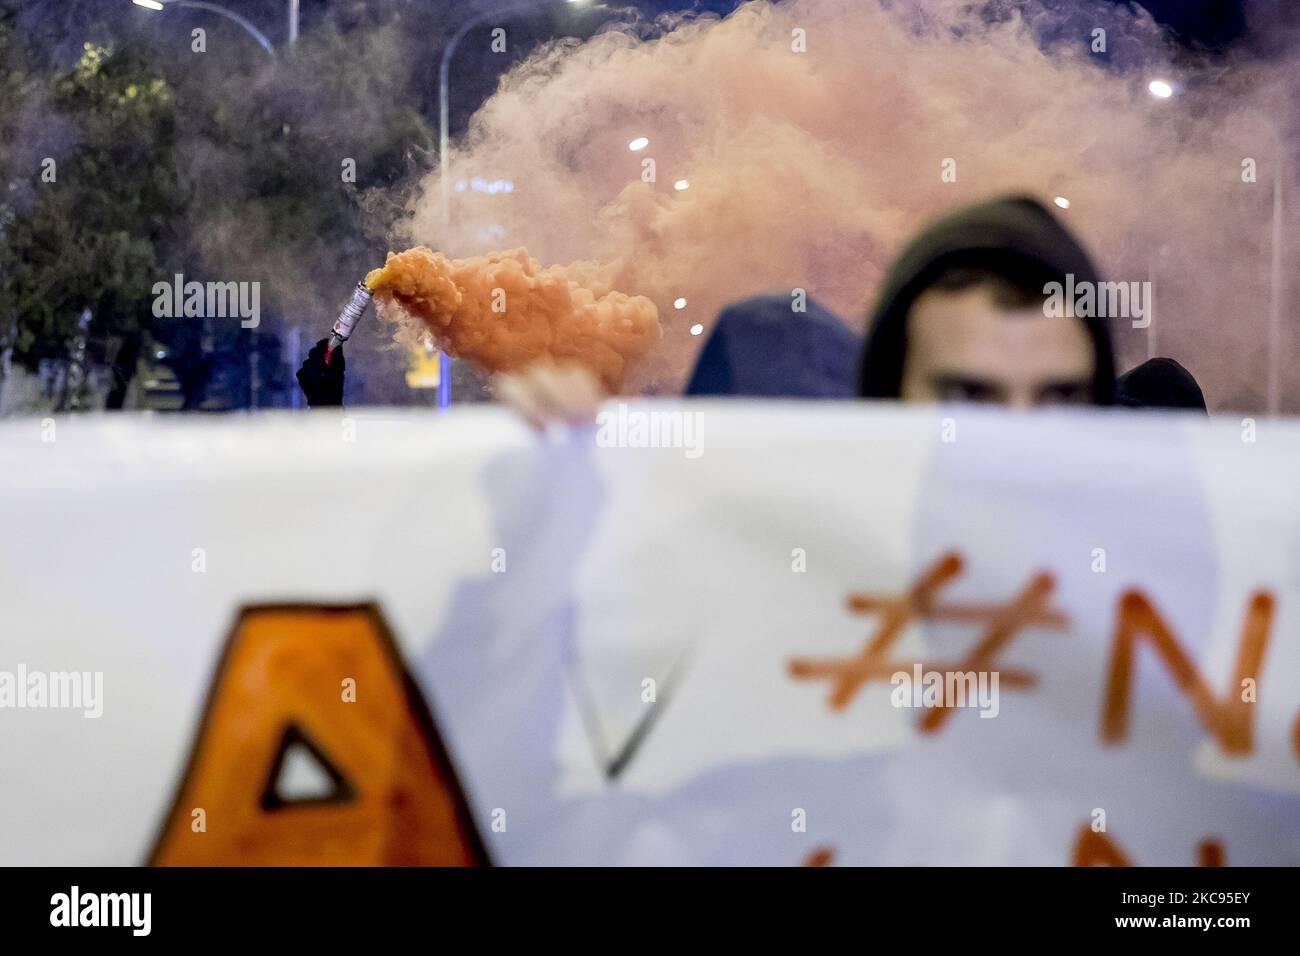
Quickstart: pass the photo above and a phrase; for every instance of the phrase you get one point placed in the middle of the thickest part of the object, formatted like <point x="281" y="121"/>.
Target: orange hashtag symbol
<point x="1002" y="623"/>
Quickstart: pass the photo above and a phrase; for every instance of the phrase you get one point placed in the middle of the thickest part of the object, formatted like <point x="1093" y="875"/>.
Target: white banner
<point x="789" y="634"/>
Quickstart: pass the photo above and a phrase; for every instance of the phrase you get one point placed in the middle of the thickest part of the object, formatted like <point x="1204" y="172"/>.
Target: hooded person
<point x="761" y="347"/>
<point x="1159" y="383"/>
<point x="963" y="315"/>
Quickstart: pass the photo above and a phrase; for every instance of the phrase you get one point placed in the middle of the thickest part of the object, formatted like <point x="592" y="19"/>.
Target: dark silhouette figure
<point x="1159" y="383"/>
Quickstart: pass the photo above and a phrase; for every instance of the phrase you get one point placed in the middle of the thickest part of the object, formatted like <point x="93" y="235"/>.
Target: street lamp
<point x="444" y="140"/>
<point x="265" y="44"/>
<point x="1273" y="380"/>
<point x="444" y="69"/>
<point x="252" y="31"/>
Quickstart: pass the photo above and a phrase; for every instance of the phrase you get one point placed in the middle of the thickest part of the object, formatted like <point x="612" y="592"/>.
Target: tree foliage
<point x="145" y="157"/>
<point x="84" y="222"/>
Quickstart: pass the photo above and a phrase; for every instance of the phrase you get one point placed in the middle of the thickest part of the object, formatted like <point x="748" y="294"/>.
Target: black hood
<point x="760" y="347"/>
<point x="1159" y="383"/>
<point x="1016" y="237"/>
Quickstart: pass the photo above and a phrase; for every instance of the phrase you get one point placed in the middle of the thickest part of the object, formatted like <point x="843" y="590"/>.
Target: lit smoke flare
<point x="503" y="311"/>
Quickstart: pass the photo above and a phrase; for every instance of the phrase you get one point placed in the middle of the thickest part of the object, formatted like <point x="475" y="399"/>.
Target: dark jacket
<point x="1159" y="383"/>
<point x="761" y="348"/>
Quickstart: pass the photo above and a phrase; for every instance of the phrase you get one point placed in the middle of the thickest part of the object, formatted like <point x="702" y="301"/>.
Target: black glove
<point x="321" y="383"/>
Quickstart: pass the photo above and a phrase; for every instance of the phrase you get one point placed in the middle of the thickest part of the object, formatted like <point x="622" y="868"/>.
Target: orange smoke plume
<point x="776" y="170"/>
<point x="504" y="312"/>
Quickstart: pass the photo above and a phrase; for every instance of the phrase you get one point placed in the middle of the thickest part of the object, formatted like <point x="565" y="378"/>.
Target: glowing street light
<point x="679" y="303"/>
<point x="1062" y="202"/>
<point x="696" y="329"/>
<point x="497" y="13"/>
<point x="681" y="184"/>
<point x="1161" y="88"/>
<point x="216" y="8"/>
<point x="638" y="144"/>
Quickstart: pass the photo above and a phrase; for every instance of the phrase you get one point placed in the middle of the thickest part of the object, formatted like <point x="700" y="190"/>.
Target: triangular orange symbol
<point x="327" y="679"/>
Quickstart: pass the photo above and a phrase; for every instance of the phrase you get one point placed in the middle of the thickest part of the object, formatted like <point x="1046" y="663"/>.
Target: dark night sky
<point x="1203" y="23"/>
<point x="1212" y="24"/>
<point x="1208" y="22"/>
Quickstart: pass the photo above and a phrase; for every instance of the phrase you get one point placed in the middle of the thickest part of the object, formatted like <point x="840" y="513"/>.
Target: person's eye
<point x="1075" y="393"/>
<point x="958" y="391"/>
